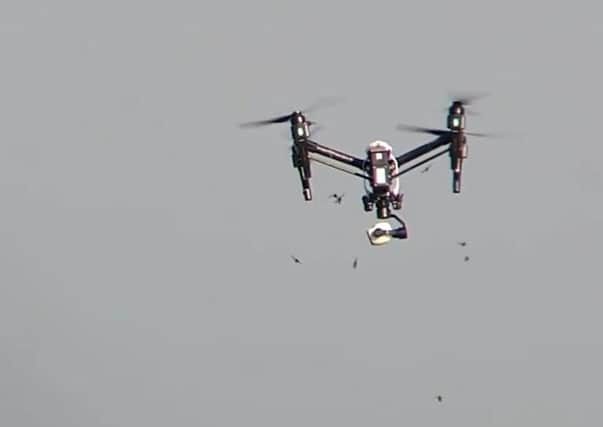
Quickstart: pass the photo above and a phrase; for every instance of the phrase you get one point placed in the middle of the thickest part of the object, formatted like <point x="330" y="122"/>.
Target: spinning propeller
<point x="325" y="102"/>
<point x="466" y="98"/>
<point x="300" y="133"/>
<point x="458" y="150"/>
<point x="280" y="119"/>
<point x="457" y="111"/>
<point x="437" y="132"/>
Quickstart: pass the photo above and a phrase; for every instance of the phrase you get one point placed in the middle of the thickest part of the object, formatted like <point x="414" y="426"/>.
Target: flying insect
<point x="380" y="168"/>
<point x="337" y="198"/>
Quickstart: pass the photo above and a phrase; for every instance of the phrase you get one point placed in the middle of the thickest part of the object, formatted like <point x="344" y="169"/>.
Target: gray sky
<point x="145" y="238"/>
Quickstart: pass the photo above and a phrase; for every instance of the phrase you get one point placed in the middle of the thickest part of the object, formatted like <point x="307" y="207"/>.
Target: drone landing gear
<point x="307" y="191"/>
<point x="456" y="182"/>
<point x="302" y="163"/>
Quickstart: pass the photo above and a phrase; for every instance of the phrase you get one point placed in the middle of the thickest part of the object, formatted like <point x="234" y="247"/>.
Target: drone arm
<point x="339" y="156"/>
<point x="323" y="162"/>
<point x="422" y="162"/>
<point x="423" y="149"/>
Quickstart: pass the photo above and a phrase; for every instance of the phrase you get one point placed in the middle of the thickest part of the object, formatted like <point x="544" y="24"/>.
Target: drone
<point x="380" y="168"/>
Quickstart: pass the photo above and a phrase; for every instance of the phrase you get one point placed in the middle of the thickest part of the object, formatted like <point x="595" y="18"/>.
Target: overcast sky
<point x="145" y="277"/>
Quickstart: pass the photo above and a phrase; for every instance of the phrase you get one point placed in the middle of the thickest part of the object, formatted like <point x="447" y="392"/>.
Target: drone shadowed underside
<point x="380" y="168"/>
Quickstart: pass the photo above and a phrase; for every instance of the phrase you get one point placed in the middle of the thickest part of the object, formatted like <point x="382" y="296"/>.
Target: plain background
<point x="145" y="277"/>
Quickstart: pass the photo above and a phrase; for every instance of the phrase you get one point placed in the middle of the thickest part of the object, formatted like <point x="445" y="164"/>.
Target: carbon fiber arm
<point x="423" y="149"/>
<point x="339" y="156"/>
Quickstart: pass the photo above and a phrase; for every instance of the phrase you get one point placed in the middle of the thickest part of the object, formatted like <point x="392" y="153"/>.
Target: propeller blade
<point x="280" y="119"/>
<point x="481" y="135"/>
<point x="490" y="135"/>
<point x="323" y="103"/>
<point x="467" y="98"/>
<point x="420" y="129"/>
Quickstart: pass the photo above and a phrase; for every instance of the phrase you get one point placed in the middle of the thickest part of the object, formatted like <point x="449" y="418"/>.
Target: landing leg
<point x="307" y="191"/>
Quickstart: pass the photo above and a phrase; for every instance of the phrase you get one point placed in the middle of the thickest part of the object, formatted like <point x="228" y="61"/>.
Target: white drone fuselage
<point x="383" y="190"/>
<point x="394" y="187"/>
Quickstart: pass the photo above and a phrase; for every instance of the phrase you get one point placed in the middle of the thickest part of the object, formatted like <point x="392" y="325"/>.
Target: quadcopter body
<point x="383" y="187"/>
<point x="380" y="167"/>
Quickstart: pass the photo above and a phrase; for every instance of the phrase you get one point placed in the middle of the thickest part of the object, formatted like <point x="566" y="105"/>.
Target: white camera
<point x="383" y="233"/>
<point x="380" y="233"/>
